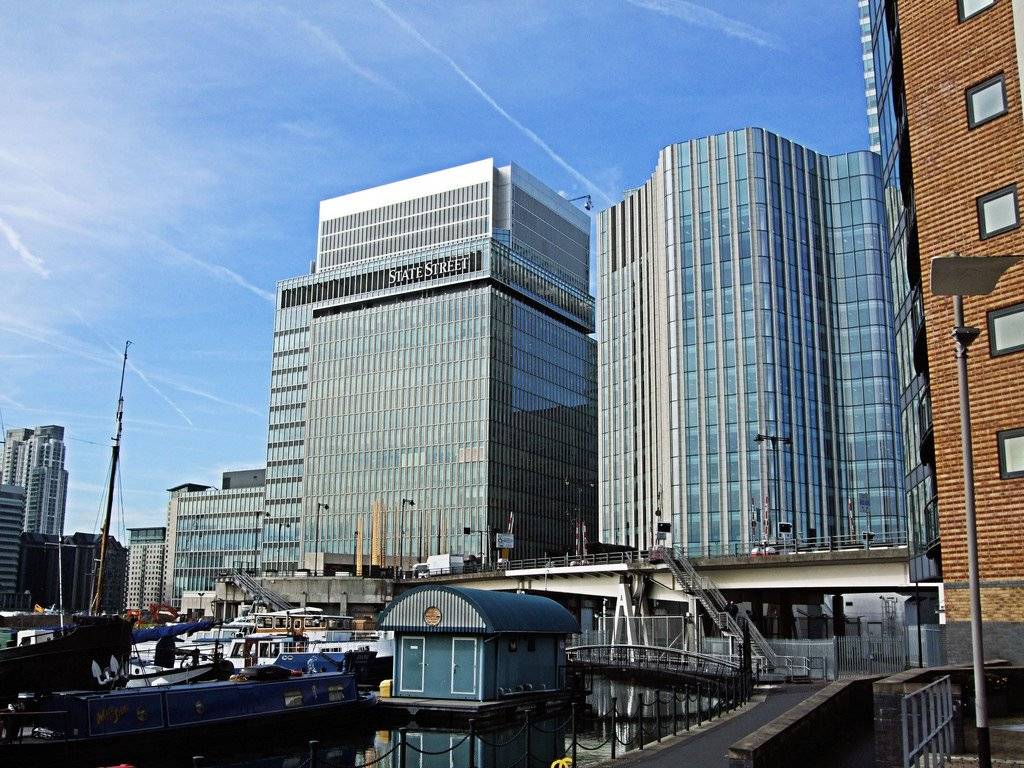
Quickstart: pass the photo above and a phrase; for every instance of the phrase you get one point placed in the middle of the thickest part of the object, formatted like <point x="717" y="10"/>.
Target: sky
<point x="161" y="167"/>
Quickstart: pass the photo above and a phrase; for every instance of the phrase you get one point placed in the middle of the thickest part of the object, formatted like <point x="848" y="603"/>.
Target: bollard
<point x="472" y="742"/>
<point x="686" y="707"/>
<point x="314" y="748"/>
<point x="615" y="736"/>
<point x="675" y="711"/>
<point x="529" y="741"/>
<point x="401" y="747"/>
<point x="640" y="719"/>
<point x="574" y="733"/>
<point x="197" y="761"/>
<point x="657" y="714"/>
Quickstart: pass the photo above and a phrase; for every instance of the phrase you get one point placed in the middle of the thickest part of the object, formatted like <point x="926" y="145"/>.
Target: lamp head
<point x="956" y="275"/>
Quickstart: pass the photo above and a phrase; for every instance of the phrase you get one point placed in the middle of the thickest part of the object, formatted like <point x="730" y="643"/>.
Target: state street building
<point x="747" y="375"/>
<point x="435" y="374"/>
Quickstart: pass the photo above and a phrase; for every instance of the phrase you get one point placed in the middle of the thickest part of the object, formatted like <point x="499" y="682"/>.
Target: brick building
<point x="947" y="77"/>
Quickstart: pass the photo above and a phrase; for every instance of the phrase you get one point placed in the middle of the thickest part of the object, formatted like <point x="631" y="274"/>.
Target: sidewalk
<point x="707" y="747"/>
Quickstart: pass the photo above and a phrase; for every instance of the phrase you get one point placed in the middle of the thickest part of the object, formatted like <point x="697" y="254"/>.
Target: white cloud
<point x="699" y="16"/>
<point x="333" y="47"/>
<point x="34" y="262"/>
<point x="528" y="132"/>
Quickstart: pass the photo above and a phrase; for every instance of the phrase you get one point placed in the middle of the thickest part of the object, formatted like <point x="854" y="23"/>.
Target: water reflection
<point x="642" y="713"/>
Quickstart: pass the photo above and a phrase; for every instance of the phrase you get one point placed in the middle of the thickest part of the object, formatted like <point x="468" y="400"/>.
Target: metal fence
<point x="927" y="716"/>
<point x="870" y="655"/>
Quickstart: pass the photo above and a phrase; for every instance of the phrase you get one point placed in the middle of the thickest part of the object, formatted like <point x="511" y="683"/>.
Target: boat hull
<point x="90" y="656"/>
<point x="128" y="724"/>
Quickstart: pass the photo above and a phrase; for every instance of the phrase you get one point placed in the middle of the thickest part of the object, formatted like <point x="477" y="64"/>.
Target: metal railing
<point x="870" y="655"/>
<point x="652" y="658"/>
<point x="259" y="593"/>
<point x="927" y="716"/>
<point x="714" y="602"/>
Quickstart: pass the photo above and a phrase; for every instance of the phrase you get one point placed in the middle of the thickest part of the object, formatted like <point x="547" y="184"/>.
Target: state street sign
<point x="505" y="541"/>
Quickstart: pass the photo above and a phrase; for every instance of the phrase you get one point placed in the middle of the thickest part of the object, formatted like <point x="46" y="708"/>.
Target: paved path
<point x="708" y="749"/>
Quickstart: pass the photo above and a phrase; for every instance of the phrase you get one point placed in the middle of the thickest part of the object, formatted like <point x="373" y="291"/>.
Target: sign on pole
<point x="504" y="541"/>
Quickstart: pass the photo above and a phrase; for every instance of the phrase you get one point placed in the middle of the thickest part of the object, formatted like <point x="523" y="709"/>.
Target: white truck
<point x="439" y="565"/>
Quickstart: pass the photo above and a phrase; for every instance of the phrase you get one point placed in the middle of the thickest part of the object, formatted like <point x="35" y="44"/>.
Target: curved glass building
<point x="745" y="361"/>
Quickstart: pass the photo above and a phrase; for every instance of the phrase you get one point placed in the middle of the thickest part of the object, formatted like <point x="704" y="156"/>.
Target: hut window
<point x="513" y="646"/>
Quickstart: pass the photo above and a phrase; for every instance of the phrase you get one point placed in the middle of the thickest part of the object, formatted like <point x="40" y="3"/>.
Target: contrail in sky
<point x="34" y="262"/>
<point x="529" y="133"/>
<point x="699" y="16"/>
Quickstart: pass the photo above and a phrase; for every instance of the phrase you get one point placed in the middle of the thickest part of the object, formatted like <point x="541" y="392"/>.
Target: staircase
<point x="258" y="593"/>
<point x="714" y="603"/>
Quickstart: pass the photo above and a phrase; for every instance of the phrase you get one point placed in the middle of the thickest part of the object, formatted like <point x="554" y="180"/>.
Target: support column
<point x="838" y="616"/>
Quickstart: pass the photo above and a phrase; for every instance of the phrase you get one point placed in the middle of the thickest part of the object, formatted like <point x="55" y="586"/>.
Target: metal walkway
<point x="258" y="593"/>
<point x="715" y="604"/>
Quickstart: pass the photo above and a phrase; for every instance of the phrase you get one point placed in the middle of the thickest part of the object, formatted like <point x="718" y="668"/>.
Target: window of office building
<point x="997" y="211"/>
<point x="971" y="8"/>
<point x="1011" y="453"/>
<point x="1006" y="330"/>
<point x="986" y="101"/>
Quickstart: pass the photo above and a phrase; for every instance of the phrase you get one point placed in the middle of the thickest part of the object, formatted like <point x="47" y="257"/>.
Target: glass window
<point x="997" y="211"/>
<point x="1006" y="330"/>
<point x="969" y="8"/>
<point x="986" y="101"/>
<point x="1011" y="453"/>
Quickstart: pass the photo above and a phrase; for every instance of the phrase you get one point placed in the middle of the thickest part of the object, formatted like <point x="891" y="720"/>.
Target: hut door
<point x="463" y="665"/>
<point x="412" y="663"/>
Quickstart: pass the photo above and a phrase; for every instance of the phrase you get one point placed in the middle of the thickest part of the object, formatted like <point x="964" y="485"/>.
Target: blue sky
<point x="161" y="166"/>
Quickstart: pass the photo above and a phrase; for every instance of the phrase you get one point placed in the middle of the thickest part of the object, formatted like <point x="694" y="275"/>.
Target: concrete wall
<point x="811" y="728"/>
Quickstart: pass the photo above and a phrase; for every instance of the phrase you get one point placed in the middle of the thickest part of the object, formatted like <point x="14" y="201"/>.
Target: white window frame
<point x="451" y="686"/>
<point x="972" y="122"/>
<point x="964" y="16"/>
<point x="1001" y="437"/>
<point x="995" y="314"/>
<point x="423" y="666"/>
<point x="1011" y="190"/>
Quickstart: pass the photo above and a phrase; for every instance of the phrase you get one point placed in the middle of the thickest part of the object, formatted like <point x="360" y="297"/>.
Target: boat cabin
<point x="475" y="644"/>
<point x="310" y="622"/>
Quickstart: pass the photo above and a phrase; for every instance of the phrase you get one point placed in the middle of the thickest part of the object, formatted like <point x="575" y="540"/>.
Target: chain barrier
<point x="512" y="738"/>
<point x="556" y="729"/>
<point x="452" y="748"/>
<point x="583" y="746"/>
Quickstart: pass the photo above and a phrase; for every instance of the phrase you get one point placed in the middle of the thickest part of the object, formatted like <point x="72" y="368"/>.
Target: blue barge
<point x="89" y="728"/>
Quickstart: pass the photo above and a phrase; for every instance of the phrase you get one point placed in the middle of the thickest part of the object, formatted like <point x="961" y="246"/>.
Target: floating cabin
<point x="476" y="645"/>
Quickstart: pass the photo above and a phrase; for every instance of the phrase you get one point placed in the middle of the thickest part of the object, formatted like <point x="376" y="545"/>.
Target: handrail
<point x="634" y="654"/>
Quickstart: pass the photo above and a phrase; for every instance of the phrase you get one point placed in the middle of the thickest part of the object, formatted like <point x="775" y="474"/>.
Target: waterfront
<point x="378" y="742"/>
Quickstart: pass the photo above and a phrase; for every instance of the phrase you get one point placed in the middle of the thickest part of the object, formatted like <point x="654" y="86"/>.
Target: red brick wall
<point x="952" y="166"/>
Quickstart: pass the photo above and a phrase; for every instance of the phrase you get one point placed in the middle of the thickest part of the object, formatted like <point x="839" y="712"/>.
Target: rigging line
<point x="99" y="510"/>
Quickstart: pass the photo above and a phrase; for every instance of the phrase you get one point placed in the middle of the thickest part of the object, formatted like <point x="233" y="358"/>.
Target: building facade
<point x="12" y="521"/>
<point x="52" y="566"/>
<point x="434" y="374"/>
<point x="947" y="82"/>
<point x="212" y="530"/>
<point x="745" y="363"/>
<point x="147" y="555"/>
<point x="34" y="459"/>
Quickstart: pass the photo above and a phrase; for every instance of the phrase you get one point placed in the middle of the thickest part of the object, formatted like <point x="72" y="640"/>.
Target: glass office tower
<point x="883" y="76"/>
<point x="435" y="373"/>
<point x="745" y="362"/>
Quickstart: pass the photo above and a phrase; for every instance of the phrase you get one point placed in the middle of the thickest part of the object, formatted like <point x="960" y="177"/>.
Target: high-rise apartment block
<point x="212" y="530"/>
<point x="147" y="555"/>
<point x="12" y="520"/>
<point x="745" y="364"/>
<point x="436" y="366"/>
<point x="946" y="79"/>
<point x="34" y="459"/>
<point x="52" y="567"/>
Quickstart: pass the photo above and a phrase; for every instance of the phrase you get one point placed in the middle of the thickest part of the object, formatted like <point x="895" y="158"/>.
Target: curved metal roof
<point x="479" y="611"/>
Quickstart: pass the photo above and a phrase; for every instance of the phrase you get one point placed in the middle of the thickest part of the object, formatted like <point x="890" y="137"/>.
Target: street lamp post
<point x="774" y="440"/>
<point x="316" y="548"/>
<point x="958" y="276"/>
<point x="401" y="539"/>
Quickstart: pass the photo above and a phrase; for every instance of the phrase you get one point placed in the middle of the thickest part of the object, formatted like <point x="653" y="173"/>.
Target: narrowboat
<point x="128" y="724"/>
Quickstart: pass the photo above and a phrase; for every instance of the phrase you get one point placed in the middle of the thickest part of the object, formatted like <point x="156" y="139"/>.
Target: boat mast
<point x="115" y="451"/>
